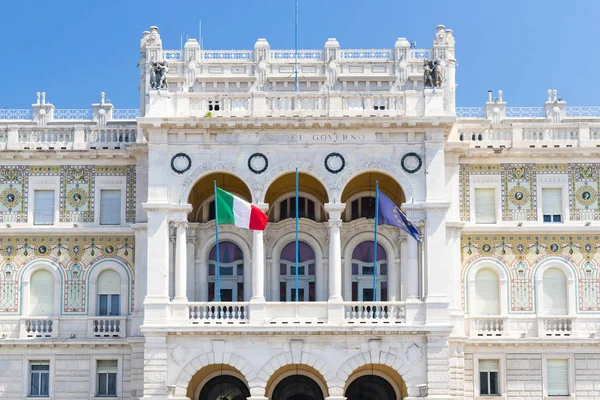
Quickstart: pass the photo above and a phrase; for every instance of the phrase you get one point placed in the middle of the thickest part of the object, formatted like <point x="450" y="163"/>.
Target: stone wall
<point x="587" y="376"/>
<point x="524" y="376"/>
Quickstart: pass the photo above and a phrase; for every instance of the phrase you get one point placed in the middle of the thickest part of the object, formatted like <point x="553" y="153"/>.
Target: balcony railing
<point x="39" y="327"/>
<point x="555" y="326"/>
<point x="532" y="326"/>
<point x="218" y="313"/>
<point x="492" y="326"/>
<point x="368" y="312"/>
<point x="107" y="327"/>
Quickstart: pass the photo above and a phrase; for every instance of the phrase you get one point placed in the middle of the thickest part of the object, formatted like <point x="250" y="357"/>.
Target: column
<point x="141" y="254"/>
<point x="180" y="260"/>
<point x="257" y="301"/>
<point x="335" y="306"/>
<point x="410" y="274"/>
<point x="191" y="265"/>
<point x="171" y="265"/>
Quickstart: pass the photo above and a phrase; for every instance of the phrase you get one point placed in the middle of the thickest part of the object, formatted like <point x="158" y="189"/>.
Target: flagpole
<point x="296" y="52"/>
<point x="297" y="278"/>
<point x="375" y="241"/>
<point x="217" y="237"/>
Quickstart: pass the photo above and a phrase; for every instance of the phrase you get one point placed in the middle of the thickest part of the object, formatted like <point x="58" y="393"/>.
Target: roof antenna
<point x="200" y="35"/>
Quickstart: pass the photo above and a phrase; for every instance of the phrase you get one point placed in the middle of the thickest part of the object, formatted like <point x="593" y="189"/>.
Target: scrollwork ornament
<point x="181" y="163"/>
<point x="406" y="159"/>
<point x="340" y="167"/>
<point x="254" y="163"/>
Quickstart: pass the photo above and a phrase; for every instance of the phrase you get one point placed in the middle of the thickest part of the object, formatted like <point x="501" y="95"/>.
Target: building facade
<point x="108" y="271"/>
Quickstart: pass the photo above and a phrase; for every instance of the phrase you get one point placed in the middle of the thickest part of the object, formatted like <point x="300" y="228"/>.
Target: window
<point x="306" y="273"/>
<point x="107" y="377"/>
<point x="485" y="206"/>
<point x="487" y="298"/>
<point x="43" y="213"/>
<point x="362" y="273"/>
<point x="555" y="292"/>
<point x="363" y="207"/>
<point x="109" y="304"/>
<point x="552" y="204"/>
<point x="306" y="208"/>
<point x="558" y="377"/>
<point x="488" y="377"/>
<point x="41" y="293"/>
<point x="231" y="271"/>
<point x="39" y="378"/>
<point x="109" y="290"/>
<point x="110" y="207"/>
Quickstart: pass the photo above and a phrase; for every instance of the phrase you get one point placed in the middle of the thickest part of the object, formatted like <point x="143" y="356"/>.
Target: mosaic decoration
<point x="521" y="253"/>
<point x="74" y="255"/>
<point x="519" y="200"/>
<point x="13" y="187"/>
<point x="77" y="189"/>
<point x="518" y="184"/>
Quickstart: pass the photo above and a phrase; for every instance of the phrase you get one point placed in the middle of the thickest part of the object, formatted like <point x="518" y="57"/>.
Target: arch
<point x="365" y="182"/>
<point x="274" y="211"/>
<point x="364" y="232"/>
<point x="298" y="386"/>
<point x="361" y="265"/>
<point x="469" y="282"/>
<point x="305" y="169"/>
<point x="275" y="256"/>
<point x="226" y="234"/>
<point x="203" y="189"/>
<point x="25" y="282"/>
<point x="202" y="171"/>
<point x="570" y="273"/>
<point x="92" y="283"/>
<point x="204" y="364"/>
<point x="379" y="377"/>
<point x="292" y="370"/>
<point x="393" y="365"/>
<point x="199" y="380"/>
<point x="385" y="168"/>
<point x="307" y="273"/>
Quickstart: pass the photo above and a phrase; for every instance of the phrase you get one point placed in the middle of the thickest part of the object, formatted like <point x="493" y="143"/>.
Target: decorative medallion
<point x="75" y="252"/>
<point x="554" y="248"/>
<point x="109" y="250"/>
<point x="486" y="249"/>
<point x="586" y="172"/>
<point x="41" y="250"/>
<point x="587" y="249"/>
<point x="520" y="250"/>
<point x="180" y="163"/>
<point x="334" y="163"/>
<point x="587" y="195"/>
<point x="411" y="162"/>
<point x="77" y="197"/>
<point x="518" y="173"/>
<point x="519" y="196"/>
<point x="8" y="250"/>
<point x="258" y="163"/>
<point x="10" y="198"/>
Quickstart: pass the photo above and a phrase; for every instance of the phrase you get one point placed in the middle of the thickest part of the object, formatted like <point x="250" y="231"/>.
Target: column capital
<point x="180" y="224"/>
<point x="264" y="207"/>
<point x="139" y="227"/>
<point x="334" y="210"/>
<point x="157" y="207"/>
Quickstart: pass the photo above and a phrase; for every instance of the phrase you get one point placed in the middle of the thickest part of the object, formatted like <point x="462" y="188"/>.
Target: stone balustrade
<point x="532" y="326"/>
<point x="107" y="327"/>
<point x="492" y="326"/>
<point x="374" y="312"/>
<point x="39" y="327"/>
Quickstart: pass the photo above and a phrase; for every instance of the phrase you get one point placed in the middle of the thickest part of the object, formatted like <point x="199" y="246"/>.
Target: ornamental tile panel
<point x="518" y="192"/>
<point x="13" y="190"/>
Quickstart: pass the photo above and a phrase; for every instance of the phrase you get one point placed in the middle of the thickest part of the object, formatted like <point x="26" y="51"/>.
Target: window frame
<point x="108" y="305"/>
<point x="111" y="183"/>
<point x="120" y="206"/>
<point x="275" y="208"/>
<point x="94" y="375"/>
<point x="26" y="380"/>
<point x="501" y="375"/>
<point x="553" y="181"/>
<point x="486" y="182"/>
<point x="35" y="207"/>
<point x="570" y="374"/>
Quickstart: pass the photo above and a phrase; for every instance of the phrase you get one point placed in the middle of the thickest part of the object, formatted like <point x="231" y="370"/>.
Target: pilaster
<point x="155" y="366"/>
<point x="438" y="367"/>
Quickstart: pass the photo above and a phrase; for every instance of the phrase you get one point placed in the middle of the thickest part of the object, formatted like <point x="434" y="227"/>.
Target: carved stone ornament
<point x="334" y="163"/>
<point x="258" y="163"/>
<point x="414" y="354"/>
<point x="411" y="162"/>
<point x="181" y="163"/>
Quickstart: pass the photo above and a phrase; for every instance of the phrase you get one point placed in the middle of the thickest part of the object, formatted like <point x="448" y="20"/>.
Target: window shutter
<point x="555" y="292"/>
<point x="552" y="201"/>
<point x="43" y="213"/>
<point x="487" y="293"/>
<point x="107" y="366"/>
<point x="110" y="207"/>
<point x="558" y="377"/>
<point x="41" y="295"/>
<point x="489" y="365"/>
<point x="109" y="282"/>
<point x="485" y="206"/>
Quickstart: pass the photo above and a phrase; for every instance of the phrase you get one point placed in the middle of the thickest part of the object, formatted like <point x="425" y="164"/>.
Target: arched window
<point x="555" y="292"/>
<point x="306" y="208"/>
<point x="109" y="293"/>
<point x="306" y="273"/>
<point x="487" y="292"/>
<point x="231" y="263"/>
<point x="41" y="293"/>
<point x="362" y="207"/>
<point x="362" y="273"/>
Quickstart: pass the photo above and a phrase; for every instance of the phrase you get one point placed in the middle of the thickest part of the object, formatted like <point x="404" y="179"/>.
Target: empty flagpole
<point x="296" y="50"/>
<point x="297" y="278"/>
<point x="217" y="237"/>
<point x="375" y="241"/>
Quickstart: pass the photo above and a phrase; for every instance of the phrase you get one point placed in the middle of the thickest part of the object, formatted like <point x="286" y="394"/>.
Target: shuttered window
<point x="110" y="207"/>
<point x="558" y="377"/>
<point x="488" y="377"/>
<point x="552" y="204"/>
<point x="555" y="292"/>
<point x="109" y="289"/>
<point x="43" y="203"/>
<point x="485" y="206"/>
<point x="107" y="378"/>
<point x="41" y="293"/>
<point x="487" y="293"/>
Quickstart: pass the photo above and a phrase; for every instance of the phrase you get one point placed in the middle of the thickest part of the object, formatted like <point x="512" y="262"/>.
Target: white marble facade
<point x="94" y="307"/>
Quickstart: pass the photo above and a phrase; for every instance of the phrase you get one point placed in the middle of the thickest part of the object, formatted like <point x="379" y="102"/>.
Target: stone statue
<point x="437" y="74"/>
<point x="153" y="80"/>
<point x="158" y="75"/>
<point x="428" y="73"/>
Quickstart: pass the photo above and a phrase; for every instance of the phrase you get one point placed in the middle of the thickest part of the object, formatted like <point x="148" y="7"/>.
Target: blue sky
<point x="73" y="50"/>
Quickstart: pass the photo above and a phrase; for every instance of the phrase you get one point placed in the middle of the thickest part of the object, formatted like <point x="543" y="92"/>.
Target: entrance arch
<point x="297" y="387"/>
<point x="370" y="387"/>
<point x="201" y="195"/>
<point x="224" y="387"/>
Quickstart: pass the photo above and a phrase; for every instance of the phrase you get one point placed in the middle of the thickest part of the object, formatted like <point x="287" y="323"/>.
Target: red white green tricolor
<point x="233" y="210"/>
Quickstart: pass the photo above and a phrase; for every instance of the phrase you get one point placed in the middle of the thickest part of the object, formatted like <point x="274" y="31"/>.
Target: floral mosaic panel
<point x="584" y="188"/>
<point x="520" y="254"/>
<point x="518" y="192"/>
<point x="74" y="255"/>
<point x="77" y="190"/>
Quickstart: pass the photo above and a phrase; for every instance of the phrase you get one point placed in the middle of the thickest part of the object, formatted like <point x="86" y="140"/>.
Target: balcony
<point x="63" y="327"/>
<point x="526" y="326"/>
<point x="39" y="327"/>
<point x="107" y="327"/>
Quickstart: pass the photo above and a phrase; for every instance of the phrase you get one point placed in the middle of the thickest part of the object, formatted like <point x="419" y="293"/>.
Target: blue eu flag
<point x="390" y="214"/>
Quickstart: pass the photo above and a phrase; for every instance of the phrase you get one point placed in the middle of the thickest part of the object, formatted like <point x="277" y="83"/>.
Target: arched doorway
<point x="297" y="387"/>
<point x="370" y="387"/>
<point x="224" y="387"/>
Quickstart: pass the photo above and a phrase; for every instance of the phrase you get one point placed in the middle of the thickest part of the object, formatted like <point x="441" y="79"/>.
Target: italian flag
<point x="233" y="210"/>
